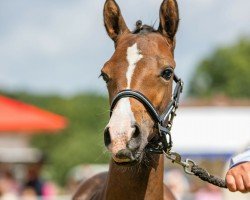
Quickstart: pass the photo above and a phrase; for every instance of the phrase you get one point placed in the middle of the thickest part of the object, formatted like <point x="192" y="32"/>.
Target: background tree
<point x="225" y="72"/>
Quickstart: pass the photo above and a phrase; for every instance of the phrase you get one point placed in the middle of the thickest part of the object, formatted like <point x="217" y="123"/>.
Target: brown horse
<point x="143" y="61"/>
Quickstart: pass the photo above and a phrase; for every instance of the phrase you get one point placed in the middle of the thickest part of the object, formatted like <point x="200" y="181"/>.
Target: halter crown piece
<point x="163" y="122"/>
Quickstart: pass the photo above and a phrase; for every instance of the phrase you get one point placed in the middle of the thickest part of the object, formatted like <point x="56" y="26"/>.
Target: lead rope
<point x="191" y="168"/>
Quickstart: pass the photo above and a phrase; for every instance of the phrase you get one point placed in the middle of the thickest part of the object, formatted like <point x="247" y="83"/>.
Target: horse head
<point x="143" y="61"/>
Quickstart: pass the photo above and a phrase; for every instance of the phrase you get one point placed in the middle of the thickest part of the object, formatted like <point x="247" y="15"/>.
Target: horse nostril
<point x="107" y="138"/>
<point x="136" y="131"/>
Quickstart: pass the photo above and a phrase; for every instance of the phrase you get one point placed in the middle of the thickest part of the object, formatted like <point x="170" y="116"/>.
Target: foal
<point x="143" y="61"/>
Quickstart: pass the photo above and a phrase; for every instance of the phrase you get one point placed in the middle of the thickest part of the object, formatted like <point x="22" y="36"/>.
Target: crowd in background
<point x="32" y="187"/>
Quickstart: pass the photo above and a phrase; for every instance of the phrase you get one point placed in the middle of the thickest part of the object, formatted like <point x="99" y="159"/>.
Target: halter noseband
<point x="163" y="121"/>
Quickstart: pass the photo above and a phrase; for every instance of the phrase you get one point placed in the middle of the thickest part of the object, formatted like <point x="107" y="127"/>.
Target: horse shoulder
<point x="90" y="189"/>
<point x="168" y="195"/>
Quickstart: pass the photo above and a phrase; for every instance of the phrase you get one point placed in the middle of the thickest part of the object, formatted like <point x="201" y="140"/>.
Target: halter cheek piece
<point x="163" y="121"/>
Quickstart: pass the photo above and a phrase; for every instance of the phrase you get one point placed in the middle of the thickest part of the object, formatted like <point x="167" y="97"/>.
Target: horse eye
<point x="105" y="77"/>
<point x="167" y="73"/>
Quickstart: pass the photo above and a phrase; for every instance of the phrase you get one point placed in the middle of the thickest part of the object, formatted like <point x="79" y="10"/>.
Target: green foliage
<point x="225" y="72"/>
<point x="82" y="141"/>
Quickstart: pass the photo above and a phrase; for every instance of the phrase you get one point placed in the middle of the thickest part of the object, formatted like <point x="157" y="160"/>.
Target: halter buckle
<point x="165" y="138"/>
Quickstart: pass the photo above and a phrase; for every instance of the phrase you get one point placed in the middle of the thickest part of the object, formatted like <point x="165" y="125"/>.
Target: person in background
<point x="8" y="186"/>
<point x="208" y="192"/>
<point x="34" y="181"/>
<point x="238" y="176"/>
<point x="178" y="184"/>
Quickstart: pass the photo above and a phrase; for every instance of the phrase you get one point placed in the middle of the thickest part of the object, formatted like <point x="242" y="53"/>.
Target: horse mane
<point x="143" y="29"/>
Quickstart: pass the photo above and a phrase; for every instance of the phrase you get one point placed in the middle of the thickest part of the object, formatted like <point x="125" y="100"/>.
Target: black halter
<point x="163" y="143"/>
<point x="163" y="121"/>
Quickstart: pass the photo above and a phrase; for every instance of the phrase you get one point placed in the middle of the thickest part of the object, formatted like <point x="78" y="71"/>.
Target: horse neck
<point x="143" y="181"/>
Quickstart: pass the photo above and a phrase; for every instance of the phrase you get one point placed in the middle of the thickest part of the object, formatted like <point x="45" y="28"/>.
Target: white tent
<point x="211" y="130"/>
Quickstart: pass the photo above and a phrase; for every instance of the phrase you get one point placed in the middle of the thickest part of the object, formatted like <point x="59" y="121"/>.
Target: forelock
<point x="143" y="29"/>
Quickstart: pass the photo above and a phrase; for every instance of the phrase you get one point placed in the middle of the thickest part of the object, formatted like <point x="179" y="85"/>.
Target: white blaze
<point x="133" y="56"/>
<point x="122" y="116"/>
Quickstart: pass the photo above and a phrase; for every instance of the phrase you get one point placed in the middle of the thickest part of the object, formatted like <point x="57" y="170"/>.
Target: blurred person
<point x="72" y="185"/>
<point x="208" y="192"/>
<point x="178" y="184"/>
<point x="8" y="187"/>
<point x="28" y="193"/>
<point x="49" y="190"/>
<point x="34" y="180"/>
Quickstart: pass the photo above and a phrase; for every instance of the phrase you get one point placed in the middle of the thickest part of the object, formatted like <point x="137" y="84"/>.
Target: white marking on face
<point x="133" y="56"/>
<point x="120" y="125"/>
<point x="122" y="117"/>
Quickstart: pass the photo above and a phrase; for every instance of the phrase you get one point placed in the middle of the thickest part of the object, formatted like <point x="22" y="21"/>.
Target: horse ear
<point x="113" y="20"/>
<point x="169" y="18"/>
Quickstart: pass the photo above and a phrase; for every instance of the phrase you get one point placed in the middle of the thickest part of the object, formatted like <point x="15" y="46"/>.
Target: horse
<point x="143" y="61"/>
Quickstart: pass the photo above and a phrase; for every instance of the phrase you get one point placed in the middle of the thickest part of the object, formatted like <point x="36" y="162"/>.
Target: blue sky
<point x="60" y="46"/>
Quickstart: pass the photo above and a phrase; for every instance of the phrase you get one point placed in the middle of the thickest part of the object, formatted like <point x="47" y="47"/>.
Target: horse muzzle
<point x="126" y="157"/>
<point x="124" y="149"/>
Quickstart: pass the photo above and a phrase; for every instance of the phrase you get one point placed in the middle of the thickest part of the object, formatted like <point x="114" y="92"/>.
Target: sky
<point x="60" y="46"/>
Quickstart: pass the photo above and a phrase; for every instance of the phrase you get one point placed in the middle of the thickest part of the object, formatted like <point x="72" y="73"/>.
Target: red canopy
<point x="16" y="116"/>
